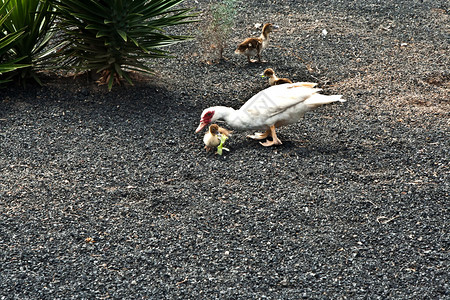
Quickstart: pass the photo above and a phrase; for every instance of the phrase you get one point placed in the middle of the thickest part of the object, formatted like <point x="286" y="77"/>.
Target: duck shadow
<point x="288" y="148"/>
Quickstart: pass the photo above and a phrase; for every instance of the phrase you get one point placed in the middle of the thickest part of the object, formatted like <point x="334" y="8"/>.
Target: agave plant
<point x="8" y="64"/>
<point x="34" y="19"/>
<point x="111" y="37"/>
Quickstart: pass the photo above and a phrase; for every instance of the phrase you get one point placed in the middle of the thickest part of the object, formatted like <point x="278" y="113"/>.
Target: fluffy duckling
<point x="273" y="79"/>
<point x="212" y="136"/>
<point x="254" y="46"/>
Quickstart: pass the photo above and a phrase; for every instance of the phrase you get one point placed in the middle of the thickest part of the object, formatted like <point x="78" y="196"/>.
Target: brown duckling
<point x="273" y="79"/>
<point x="253" y="46"/>
<point x="212" y="139"/>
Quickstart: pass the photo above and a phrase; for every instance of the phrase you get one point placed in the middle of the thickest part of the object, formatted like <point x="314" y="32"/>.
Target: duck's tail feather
<point x="319" y="99"/>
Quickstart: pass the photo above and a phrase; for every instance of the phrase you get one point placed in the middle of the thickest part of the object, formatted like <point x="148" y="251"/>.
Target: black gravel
<point x="110" y="195"/>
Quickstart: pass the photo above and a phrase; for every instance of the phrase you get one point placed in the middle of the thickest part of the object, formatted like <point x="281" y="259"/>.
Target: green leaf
<point x="25" y="33"/>
<point x="122" y="34"/>
<point x="111" y="81"/>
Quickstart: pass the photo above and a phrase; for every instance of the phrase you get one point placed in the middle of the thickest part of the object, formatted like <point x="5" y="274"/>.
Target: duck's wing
<point x="249" y="44"/>
<point x="225" y="131"/>
<point x="278" y="98"/>
<point x="282" y="81"/>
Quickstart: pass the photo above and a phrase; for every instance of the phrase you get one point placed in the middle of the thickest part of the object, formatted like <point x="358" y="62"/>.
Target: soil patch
<point x="111" y="194"/>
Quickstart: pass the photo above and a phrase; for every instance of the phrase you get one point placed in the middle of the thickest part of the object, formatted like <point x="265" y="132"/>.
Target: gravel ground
<point x="112" y="196"/>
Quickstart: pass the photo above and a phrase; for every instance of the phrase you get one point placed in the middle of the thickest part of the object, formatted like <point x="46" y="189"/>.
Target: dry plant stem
<point x="385" y="220"/>
<point x="182" y="281"/>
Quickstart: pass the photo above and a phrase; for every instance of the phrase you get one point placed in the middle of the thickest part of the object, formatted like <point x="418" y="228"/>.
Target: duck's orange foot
<point x="259" y="135"/>
<point x="271" y="143"/>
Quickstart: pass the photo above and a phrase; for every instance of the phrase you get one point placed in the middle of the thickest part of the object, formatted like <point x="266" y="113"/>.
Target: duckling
<point x="254" y="46"/>
<point x="212" y="137"/>
<point x="273" y="79"/>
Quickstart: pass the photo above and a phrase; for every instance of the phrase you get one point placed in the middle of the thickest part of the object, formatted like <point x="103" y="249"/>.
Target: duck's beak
<point x="275" y="26"/>
<point x="262" y="75"/>
<point x="200" y="127"/>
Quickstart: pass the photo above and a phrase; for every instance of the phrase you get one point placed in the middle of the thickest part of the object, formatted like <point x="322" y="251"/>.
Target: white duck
<point x="276" y="106"/>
